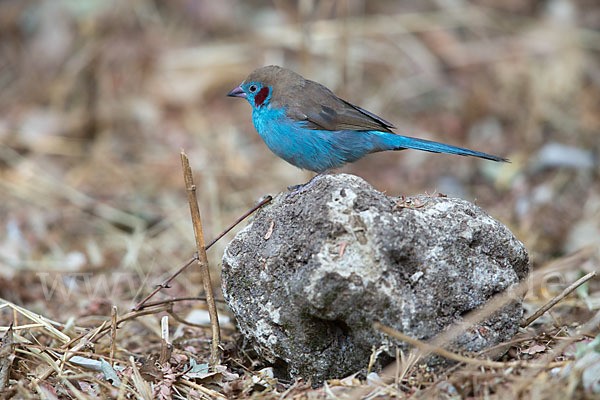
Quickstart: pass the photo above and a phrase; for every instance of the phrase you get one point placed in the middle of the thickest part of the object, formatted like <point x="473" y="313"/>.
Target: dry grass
<point x="98" y="97"/>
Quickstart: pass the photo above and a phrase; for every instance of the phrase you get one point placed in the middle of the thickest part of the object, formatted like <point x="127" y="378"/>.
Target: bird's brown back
<point x="309" y="101"/>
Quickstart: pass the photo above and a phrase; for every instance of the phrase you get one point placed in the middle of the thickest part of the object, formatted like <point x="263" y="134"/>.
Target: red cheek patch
<point x="261" y="96"/>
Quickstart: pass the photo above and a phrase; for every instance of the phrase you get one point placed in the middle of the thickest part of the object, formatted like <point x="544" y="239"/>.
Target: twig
<point x="261" y="203"/>
<point x="73" y="390"/>
<point x="183" y="321"/>
<point x="177" y="299"/>
<point x="290" y="389"/>
<point x="205" y="390"/>
<point x="113" y="335"/>
<point x="165" y="345"/>
<point x="430" y="348"/>
<point x="7" y="349"/>
<point x="143" y="388"/>
<point x="123" y="388"/>
<point x="558" y="298"/>
<point x="202" y="258"/>
<point x="397" y="375"/>
<point x="165" y="283"/>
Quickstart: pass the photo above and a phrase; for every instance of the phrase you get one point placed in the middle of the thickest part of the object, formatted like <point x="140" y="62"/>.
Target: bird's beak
<point x="237" y="92"/>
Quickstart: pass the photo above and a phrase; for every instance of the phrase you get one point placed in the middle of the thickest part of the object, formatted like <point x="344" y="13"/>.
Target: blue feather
<point x="399" y="142"/>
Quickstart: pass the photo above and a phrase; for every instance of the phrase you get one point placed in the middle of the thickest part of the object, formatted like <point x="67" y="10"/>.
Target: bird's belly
<point x="301" y="147"/>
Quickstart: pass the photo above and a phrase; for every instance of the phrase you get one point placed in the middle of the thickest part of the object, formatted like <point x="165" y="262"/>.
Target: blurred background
<point x="97" y="97"/>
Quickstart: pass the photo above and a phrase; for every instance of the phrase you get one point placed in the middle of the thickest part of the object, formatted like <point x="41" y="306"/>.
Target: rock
<point x="308" y="277"/>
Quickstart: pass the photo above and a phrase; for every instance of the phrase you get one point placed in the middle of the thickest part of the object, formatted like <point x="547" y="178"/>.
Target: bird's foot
<point x="297" y="189"/>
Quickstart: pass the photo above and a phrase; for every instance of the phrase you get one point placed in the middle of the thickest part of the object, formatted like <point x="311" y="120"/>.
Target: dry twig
<point x="113" y="335"/>
<point x="430" y="348"/>
<point x="202" y="258"/>
<point x="557" y="298"/>
<point x="6" y="351"/>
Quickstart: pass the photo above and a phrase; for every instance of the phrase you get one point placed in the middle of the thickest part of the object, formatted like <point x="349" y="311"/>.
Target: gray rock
<point x="308" y="277"/>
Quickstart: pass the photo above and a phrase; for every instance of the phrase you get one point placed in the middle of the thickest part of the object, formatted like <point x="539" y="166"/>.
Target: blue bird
<point x="308" y="126"/>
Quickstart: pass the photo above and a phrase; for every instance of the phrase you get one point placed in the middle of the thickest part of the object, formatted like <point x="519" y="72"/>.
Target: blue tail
<point x="399" y="142"/>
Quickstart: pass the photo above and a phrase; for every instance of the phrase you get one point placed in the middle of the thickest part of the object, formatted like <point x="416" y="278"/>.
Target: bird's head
<point x="263" y="84"/>
<point x="257" y="93"/>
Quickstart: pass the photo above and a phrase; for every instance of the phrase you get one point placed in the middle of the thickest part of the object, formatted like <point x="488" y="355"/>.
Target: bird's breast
<point x="284" y="136"/>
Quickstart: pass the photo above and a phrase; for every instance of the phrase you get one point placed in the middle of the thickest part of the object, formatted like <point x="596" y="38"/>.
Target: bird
<point x="307" y="125"/>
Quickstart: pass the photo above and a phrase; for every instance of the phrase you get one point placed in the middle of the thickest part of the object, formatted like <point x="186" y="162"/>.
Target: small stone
<point x="416" y="276"/>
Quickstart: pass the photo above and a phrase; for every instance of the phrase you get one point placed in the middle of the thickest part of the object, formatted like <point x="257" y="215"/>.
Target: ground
<point x="97" y="98"/>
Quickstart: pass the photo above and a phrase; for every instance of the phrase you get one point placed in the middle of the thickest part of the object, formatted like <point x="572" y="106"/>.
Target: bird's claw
<point x="296" y="189"/>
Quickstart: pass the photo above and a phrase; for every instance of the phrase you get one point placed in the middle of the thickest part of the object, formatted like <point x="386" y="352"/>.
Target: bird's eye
<point x="252" y="88"/>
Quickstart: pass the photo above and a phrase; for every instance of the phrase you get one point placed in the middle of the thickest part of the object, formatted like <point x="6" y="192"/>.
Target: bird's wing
<point x="320" y="109"/>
